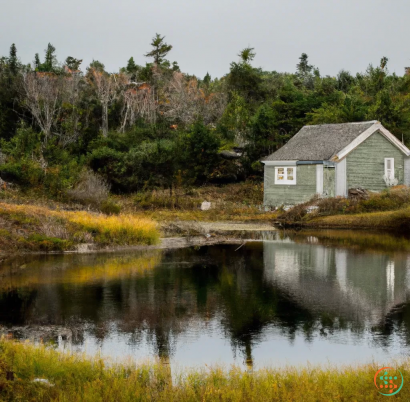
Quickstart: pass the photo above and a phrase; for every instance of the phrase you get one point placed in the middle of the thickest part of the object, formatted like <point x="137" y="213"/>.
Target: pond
<point x="321" y="297"/>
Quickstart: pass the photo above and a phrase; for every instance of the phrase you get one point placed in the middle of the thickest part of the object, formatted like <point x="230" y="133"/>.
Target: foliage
<point x="139" y="127"/>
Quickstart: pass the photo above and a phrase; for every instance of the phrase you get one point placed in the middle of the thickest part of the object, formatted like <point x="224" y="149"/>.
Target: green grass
<point x="76" y="378"/>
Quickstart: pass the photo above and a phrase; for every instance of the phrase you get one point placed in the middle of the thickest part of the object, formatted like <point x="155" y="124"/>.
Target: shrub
<point x="109" y="207"/>
<point x="91" y="189"/>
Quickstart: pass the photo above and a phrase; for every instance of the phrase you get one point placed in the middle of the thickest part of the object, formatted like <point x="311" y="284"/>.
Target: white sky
<point x="208" y="34"/>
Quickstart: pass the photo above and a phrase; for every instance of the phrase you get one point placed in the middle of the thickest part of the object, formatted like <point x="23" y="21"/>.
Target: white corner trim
<point x="319" y="179"/>
<point x="394" y="140"/>
<point x="365" y="135"/>
<point x="340" y="176"/>
<point x="279" y="163"/>
<point x="407" y="171"/>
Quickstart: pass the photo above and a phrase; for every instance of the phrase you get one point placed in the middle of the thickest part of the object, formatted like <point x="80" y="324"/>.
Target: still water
<point x="282" y="300"/>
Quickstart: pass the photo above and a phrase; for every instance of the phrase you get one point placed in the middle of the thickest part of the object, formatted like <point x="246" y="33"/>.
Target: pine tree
<point x="13" y="61"/>
<point x="303" y="67"/>
<point x="161" y="49"/>
<point x="247" y="55"/>
<point x="73" y="63"/>
<point x="37" y="62"/>
<point x="131" y="66"/>
<point x="50" y="59"/>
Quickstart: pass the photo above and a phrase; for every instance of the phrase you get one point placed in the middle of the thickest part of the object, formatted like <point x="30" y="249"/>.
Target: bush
<point x="91" y="189"/>
<point x="109" y="207"/>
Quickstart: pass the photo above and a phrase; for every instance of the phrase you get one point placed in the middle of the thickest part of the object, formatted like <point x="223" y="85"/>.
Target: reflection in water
<point x="269" y="302"/>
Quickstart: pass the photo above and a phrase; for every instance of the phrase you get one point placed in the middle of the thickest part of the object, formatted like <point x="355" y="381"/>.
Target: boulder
<point x="358" y="193"/>
<point x="205" y="206"/>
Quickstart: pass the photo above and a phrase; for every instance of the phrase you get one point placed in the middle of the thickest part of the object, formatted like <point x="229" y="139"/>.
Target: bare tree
<point x="42" y="94"/>
<point x="186" y="101"/>
<point x="69" y="129"/>
<point x="53" y="101"/>
<point x="138" y="101"/>
<point x="107" y="90"/>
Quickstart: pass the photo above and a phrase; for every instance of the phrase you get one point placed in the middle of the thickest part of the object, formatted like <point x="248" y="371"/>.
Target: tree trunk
<point x="105" y="120"/>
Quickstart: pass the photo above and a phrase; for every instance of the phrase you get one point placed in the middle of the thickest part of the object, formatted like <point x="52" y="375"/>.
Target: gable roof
<point x="330" y="141"/>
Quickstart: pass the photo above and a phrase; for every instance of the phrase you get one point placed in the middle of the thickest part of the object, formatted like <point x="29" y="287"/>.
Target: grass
<point x="38" y="228"/>
<point x="389" y="209"/>
<point x="378" y="242"/>
<point x="233" y="202"/>
<point x="399" y="220"/>
<point x="73" y="377"/>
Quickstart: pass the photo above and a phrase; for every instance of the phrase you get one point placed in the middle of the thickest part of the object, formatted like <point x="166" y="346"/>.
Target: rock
<point x="230" y="154"/>
<point x="358" y="193"/>
<point x="43" y="381"/>
<point x="205" y="206"/>
<point x="312" y="208"/>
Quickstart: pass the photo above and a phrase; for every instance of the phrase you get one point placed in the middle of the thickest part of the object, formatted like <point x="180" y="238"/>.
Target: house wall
<point x="407" y="170"/>
<point x="329" y="181"/>
<point x="278" y="194"/>
<point x="365" y="164"/>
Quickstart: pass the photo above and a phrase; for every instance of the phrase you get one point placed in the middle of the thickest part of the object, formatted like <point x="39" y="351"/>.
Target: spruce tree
<point x="37" y="62"/>
<point x="50" y="60"/>
<point x="161" y="49"/>
<point x="13" y="61"/>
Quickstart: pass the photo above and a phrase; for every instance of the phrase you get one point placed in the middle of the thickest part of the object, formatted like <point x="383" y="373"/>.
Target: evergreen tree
<point x="161" y="49"/>
<point x="37" y="62"/>
<point x="50" y="59"/>
<point x="303" y="67"/>
<point x="13" y="61"/>
<point x="72" y="63"/>
<point x="247" y="54"/>
<point x="131" y="68"/>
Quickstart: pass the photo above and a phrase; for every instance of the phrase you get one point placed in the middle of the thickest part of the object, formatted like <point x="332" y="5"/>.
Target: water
<point x="283" y="300"/>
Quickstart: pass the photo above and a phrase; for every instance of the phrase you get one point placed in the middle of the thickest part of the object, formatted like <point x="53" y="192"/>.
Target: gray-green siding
<point x="303" y="190"/>
<point x="365" y="164"/>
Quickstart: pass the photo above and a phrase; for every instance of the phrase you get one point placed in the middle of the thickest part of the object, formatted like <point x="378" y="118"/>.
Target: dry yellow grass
<point x="120" y="229"/>
<point x="399" y="219"/>
<point x="75" y="378"/>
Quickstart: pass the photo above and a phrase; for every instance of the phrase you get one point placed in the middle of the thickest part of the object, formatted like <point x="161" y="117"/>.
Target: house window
<point x="285" y="175"/>
<point x="389" y="168"/>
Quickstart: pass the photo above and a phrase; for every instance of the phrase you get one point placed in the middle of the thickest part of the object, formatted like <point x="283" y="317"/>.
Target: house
<point x="329" y="159"/>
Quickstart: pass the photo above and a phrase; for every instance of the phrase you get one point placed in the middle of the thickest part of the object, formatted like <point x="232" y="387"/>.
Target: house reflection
<point x="164" y="299"/>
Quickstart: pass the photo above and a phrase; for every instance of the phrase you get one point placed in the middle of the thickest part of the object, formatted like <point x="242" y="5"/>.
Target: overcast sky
<point x="208" y="34"/>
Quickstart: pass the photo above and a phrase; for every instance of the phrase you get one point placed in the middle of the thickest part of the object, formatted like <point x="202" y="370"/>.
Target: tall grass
<point x="75" y="378"/>
<point x="118" y="229"/>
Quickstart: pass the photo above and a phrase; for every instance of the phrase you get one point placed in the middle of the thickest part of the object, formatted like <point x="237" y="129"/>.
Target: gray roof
<point x="319" y="143"/>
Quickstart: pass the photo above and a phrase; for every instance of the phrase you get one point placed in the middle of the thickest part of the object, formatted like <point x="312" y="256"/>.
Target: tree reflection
<point x="163" y="295"/>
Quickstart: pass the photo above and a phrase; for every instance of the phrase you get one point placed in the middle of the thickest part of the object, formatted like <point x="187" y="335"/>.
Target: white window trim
<point x="392" y="167"/>
<point x="286" y="181"/>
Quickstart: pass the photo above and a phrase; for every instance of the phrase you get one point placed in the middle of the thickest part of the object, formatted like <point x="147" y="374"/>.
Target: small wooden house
<point x="329" y="159"/>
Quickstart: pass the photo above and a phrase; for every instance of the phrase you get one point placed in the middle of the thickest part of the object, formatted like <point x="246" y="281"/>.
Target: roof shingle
<point x="319" y="143"/>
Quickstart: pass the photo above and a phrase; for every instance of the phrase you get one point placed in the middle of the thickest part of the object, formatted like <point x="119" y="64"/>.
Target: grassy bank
<point x="380" y="211"/>
<point x="75" y="378"/>
<point x="36" y="228"/>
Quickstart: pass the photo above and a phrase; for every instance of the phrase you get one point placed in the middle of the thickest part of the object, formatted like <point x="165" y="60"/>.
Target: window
<point x="285" y="175"/>
<point x="389" y="168"/>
